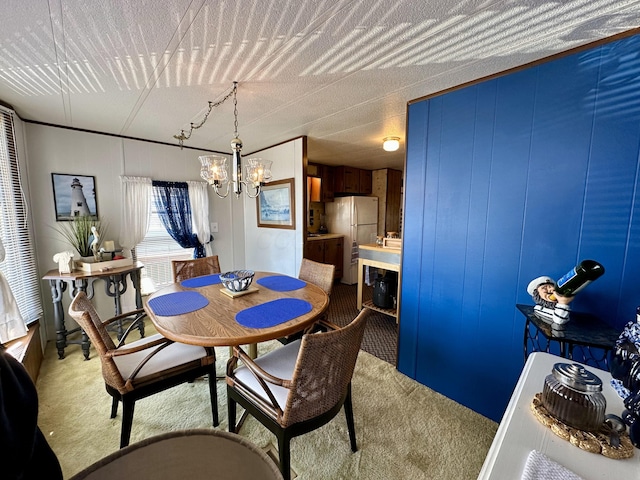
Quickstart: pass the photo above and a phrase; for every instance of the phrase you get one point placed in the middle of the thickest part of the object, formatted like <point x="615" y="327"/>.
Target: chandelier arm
<point x="257" y="189"/>
<point x="216" y="189"/>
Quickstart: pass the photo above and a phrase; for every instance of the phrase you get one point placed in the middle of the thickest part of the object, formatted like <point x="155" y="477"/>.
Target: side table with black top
<point x="595" y="338"/>
<point x="115" y="286"/>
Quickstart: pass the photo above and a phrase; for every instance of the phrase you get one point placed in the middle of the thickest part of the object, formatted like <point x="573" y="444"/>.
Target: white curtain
<point x="199" y="199"/>
<point x="12" y="324"/>
<point x="136" y="209"/>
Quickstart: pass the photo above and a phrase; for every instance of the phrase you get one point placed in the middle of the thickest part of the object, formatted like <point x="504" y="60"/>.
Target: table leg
<point x="135" y="280"/>
<point x="57" y="290"/>
<point x="534" y="339"/>
<point x="563" y="350"/>
<point x="360" y="281"/>
<point x="115" y="286"/>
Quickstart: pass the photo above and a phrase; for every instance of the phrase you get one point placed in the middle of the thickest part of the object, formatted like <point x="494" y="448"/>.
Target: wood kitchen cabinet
<point x="326" y="250"/>
<point x="326" y="174"/>
<point x="352" y="181"/>
<point x="314" y="250"/>
<point x="322" y="182"/>
<point x="365" y="182"/>
<point x="333" y="254"/>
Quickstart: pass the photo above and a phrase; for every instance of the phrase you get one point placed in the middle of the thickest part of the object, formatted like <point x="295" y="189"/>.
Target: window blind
<point x="19" y="266"/>
<point x="156" y="252"/>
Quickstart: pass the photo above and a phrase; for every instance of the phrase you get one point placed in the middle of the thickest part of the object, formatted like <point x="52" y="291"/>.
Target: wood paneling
<point x="509" y="179"/>
<point x="387" y="186"/>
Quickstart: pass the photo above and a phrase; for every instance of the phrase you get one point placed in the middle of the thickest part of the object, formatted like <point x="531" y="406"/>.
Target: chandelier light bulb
<point x="214" y="168"/>
<point x="391" y="144"/>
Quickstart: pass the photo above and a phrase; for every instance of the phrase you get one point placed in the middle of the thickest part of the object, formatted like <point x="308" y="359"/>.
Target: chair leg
<point x="141" y="327"/>
<point x="114" y="407"/>
<point x="231" y="414"/>
<point x="284" y="453"/>
<point x="348" y="411"/>
<point x="213" y="392"/>
<point x="128" y="407"/>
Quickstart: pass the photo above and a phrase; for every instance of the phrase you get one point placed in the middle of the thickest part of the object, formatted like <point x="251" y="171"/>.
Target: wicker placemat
<point x="591" y="442"/>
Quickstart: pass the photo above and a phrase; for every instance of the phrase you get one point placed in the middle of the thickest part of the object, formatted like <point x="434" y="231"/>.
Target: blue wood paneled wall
<point x="515" y="177"/>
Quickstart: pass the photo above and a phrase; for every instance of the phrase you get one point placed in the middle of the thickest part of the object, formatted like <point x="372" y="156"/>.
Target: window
<point x="19" y="266"/>
<point x="156" y="252"/>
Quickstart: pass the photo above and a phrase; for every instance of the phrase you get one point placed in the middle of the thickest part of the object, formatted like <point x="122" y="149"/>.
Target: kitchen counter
<point x="324" y="236"/>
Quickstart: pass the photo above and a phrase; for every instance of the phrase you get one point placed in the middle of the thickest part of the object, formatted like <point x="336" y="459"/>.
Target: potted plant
<point x="81" y="233"/>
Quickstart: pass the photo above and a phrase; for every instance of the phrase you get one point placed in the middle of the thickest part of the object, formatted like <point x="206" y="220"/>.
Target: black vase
<point x="625" y="365"/>
<point x="631" y="416"/>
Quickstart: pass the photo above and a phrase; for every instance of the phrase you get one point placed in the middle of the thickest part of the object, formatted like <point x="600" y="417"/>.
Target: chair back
<point x="320" y="274"/>
<point x="83" y="312"/>
<point x="183" y="269"/>
<point x="323" y="370"/>
<point x="196" y="454"/>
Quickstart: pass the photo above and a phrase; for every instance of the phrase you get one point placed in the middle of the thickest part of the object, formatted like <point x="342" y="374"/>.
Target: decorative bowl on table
<point x="237" y="280"/>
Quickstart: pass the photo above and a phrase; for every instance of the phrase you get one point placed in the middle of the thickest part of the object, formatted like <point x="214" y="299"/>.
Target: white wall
<point x="56" y="150"/>
<point x="276" y="249"/>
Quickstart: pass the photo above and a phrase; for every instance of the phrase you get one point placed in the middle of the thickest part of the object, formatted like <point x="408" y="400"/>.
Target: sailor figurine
<point x="550" y="306"/>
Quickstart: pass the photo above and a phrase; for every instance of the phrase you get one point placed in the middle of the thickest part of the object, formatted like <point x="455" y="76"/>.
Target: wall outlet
<point x="214" y="227"/>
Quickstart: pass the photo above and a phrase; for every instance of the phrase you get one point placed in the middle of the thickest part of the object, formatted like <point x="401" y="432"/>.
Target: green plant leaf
<point x="78" y="233"/>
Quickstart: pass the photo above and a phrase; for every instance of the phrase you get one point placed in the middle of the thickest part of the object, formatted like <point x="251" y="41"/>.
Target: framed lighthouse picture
<point x="74" y="196"/>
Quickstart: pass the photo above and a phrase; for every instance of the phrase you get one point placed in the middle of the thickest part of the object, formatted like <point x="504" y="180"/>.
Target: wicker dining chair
<point x="299" y="387"/>
<point x="143" y="367"/>
<point x="319" y="274"/>
<point x="184" y="269"/>
<point x="196" y="454"/>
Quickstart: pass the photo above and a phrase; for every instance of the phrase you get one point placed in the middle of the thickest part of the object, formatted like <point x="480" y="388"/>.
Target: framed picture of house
<point x="74" y="196"/>
<point x="276" y="205"/>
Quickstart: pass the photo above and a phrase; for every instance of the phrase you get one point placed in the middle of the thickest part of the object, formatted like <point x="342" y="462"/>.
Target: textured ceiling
<point x="340" y="72"/>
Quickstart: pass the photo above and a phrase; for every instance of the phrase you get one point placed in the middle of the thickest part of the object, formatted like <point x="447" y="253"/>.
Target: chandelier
<point x="213" y="168"/>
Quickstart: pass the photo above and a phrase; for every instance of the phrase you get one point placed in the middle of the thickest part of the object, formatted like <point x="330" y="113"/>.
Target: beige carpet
<point x="404" y="430"/>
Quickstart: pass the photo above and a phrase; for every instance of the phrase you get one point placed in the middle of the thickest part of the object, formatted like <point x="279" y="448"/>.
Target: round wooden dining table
<point x="276" y="306"/>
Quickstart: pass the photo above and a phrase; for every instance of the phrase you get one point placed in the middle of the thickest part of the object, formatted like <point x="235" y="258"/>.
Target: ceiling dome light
<point x="391" y="144"/>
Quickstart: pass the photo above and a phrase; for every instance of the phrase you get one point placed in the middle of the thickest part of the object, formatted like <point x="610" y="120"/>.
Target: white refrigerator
<point x="357" y="219"/>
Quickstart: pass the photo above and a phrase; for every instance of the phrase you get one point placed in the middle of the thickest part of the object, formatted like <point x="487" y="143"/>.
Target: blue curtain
<point x="171" y="200"/>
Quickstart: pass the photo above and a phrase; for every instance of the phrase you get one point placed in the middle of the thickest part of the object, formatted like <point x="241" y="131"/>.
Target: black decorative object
<point x="625" y="368"/>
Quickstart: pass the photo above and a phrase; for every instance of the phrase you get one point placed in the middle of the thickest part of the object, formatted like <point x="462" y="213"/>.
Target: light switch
<point x="214" y="227"/>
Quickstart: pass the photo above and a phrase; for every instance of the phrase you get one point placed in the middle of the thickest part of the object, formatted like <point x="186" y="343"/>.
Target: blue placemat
<point x="202" y="281"/>
<point x="273" y="313"/>
<point x="177" y="303"/>
<point x="281" y="283"/>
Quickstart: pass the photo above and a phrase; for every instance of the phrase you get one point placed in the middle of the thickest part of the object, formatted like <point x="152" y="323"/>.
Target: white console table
<point x="519" y="432"/>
